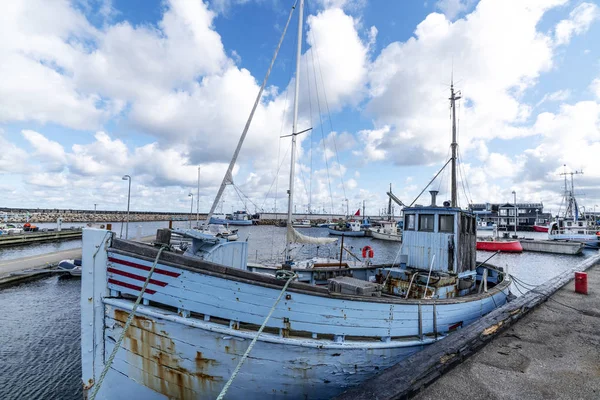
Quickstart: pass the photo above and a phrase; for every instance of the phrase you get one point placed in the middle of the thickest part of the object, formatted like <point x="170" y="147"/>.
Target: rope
<point x="129" y="320"/>
<point x="281" y="274"/>
<point x="531" y="288"/>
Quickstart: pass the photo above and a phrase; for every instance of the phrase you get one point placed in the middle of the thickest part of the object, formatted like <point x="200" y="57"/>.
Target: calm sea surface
<point x="39" y="321"/>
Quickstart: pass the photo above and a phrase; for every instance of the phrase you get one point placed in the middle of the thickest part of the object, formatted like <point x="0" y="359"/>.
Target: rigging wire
<point x="310" y="179"/>
<point x="329" y="117"/>
<point x="312" y="54"/>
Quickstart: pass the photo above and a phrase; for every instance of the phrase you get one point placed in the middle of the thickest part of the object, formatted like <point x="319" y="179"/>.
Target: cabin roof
<point x="436" y="209"/>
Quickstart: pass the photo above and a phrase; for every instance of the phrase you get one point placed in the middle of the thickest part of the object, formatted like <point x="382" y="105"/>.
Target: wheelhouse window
<point x="426" y="222"/>
<point x="447" y="223"/>
<point x="409" y="222"/>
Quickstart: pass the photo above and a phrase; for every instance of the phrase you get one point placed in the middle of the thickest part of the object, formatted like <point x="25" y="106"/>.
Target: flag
<point x="357" y="213"/>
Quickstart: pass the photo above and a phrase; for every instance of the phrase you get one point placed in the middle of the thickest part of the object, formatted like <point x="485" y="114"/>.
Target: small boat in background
<point x="11" y="229"/>
<point x="485" y="225"/>
<point x="387" y="231"/>
<point x="302" y="223"/>
<point x="72" y="266"/>
<point x="540" y="228"/>
<point x="240" y="218"/>
<point x="503" y="245"/>
<point x="349" y="228"/>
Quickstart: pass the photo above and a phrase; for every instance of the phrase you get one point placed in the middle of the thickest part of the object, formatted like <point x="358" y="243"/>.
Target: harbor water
<point x="40" y="321"/>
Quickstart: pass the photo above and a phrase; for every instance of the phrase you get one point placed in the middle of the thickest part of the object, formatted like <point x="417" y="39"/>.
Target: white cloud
<point x="579" y="21"/>
<point x="451" y="8"/>
<point x="44" y="148"/>
<point x="595" y="88"/>
<point x="406" y="87"/>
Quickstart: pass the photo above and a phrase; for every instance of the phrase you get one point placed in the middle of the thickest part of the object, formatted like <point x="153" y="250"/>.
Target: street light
<point x="536" y="216"/>
<point x="516" y="210"/>
<point x="127" y="178"/>
<point x="191" y="208"/>
<point x="95" y="204"/>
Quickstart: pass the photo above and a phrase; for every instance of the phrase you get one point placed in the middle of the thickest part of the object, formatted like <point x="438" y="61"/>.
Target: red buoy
<point x="581" y="282"/>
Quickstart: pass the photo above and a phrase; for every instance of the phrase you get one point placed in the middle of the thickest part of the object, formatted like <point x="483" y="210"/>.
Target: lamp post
<point x="198" y="202"/>
<point x="516" y="210"/>
<point x="191" y="208"/>
<point x="95" y="204"/>
<point x="536" y="216"/>
<point x="127" y="178"/>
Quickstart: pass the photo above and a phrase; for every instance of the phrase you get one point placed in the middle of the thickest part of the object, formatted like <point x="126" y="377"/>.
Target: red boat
<point x="539" y="228"/>
<point x="505" y="246"/>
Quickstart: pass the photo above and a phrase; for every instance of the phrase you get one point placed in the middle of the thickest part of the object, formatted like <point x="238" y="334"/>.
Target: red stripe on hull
<point x="508" y="246"/>
<point x="538" y="228"/>
<point x="137" y="277"/>
<point x="130" y="286"/>
<point x="143" y="267"/>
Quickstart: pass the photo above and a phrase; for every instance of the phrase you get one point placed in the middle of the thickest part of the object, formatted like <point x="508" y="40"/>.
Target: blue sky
<point x="95" y="89"/>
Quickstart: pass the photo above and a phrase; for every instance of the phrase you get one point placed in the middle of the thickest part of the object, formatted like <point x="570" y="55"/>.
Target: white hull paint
<point x="386" y="236"/>
<point x="316" y="344"/>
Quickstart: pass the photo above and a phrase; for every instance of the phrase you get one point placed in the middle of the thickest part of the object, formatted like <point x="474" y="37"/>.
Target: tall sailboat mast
<point x="294" y="128"/>
<point x="453" y="97"/>
<point x="228" y="178"/>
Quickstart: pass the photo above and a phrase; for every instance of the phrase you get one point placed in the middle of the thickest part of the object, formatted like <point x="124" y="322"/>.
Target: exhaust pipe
<point x="434" y="194"/>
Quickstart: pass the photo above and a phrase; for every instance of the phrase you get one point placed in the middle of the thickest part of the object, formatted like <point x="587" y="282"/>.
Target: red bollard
<point x="581" y="282"/>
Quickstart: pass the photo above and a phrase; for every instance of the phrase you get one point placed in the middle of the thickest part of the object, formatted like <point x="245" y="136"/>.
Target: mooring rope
<point x="282" y="274"/>
<point x="129" y="320"/>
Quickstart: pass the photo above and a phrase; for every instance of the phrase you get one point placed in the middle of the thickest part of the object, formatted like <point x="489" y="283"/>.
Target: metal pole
<point x="198" y="202"/>
<point x="516" y="210"/>
<point x="191" y="208"/>
<point x="127" y="178"/>
<point x="294" y="129"/>
<point x="453" y="98"/>
<point x="95" y="211"/>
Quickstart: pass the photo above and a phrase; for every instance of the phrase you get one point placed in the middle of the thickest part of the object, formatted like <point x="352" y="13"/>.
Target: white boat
<point x="11" y="229"/>
<point x="303" y="223"/>
<point x="388" y="230"/>
<point x="485" y="225"/>
<point x="348" y="228"/>
<point x="206" y="324"/>
<point x="72" y="266"/>
<point x="572" y="225"/>
<point x="221" y="231"/>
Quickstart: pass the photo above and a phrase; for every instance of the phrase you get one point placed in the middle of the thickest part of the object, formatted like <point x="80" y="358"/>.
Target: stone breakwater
<point x="50" y="217"/>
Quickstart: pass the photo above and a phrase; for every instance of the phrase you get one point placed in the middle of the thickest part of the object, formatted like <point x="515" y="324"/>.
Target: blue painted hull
<point x="346" y="233"/>
<point x="198" y="321"/>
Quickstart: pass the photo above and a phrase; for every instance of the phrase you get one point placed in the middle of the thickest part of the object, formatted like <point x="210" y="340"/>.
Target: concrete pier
<point x="39" y="237"/>
<point x="552" y="352"/>
<point x="39" y="263"/>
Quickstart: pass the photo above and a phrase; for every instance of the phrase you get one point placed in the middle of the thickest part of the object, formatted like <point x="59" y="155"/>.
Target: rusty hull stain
<point x="162" y="371"/>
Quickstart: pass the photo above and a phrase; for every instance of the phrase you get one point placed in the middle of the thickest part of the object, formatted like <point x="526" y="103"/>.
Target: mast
<point x="228" y="178"/>
<point x="294" y="129"/>
<point x="453" y="98"/>
<point x="390" y="205"/>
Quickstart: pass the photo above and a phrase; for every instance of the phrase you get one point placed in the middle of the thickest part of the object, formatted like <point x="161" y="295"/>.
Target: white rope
<point x="129" y="320"/>
<point x="282" y="274"/>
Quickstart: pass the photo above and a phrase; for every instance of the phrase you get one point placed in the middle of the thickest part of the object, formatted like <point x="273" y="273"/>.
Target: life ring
<point x="598" y="233"/>
<point x="367" y="252"/>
